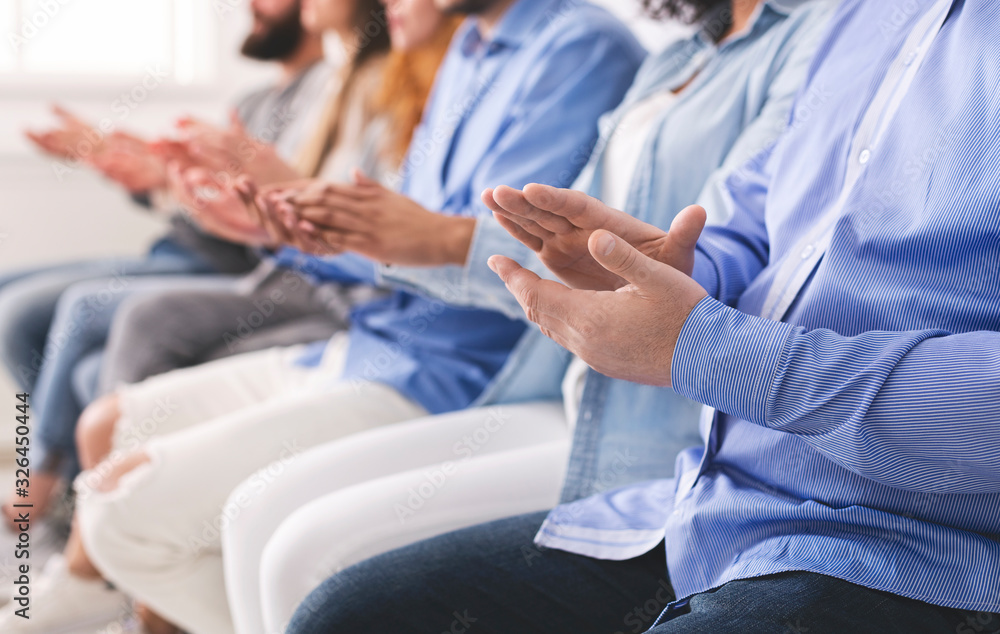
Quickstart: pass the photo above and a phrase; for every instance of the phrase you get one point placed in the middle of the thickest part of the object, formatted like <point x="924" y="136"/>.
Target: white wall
<point x="47" y="215"/>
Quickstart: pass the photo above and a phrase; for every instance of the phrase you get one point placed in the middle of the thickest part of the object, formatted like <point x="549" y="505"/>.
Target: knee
<point x="120" y="468"/>
<point x="133" y="320"/>
<point x="95" y="429"/>
<point x="105" y="477"/>
<point x="109" y="526"/>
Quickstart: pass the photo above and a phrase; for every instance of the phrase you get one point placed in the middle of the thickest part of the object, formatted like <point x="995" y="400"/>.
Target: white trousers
<point x="355" y="498"/>
<point x="208" y="429"/>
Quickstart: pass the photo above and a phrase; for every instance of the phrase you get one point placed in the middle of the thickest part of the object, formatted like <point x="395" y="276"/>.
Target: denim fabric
<point x="492" y="579"/>
<point x="46" y="328"/>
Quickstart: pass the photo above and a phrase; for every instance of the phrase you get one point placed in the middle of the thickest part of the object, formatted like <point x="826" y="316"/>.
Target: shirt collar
<point x="514" y="29"/>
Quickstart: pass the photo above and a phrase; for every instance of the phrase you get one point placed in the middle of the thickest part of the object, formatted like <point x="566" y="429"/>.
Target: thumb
<point x="360" y="178"/>
<point x="621" y="258"/>
<point x="236" y="123"/>
<point x="687" y="226"/>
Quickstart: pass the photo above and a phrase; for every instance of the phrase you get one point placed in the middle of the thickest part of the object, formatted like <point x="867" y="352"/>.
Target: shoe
<point x="62" y="603"/>
<point x="47" y="540"/>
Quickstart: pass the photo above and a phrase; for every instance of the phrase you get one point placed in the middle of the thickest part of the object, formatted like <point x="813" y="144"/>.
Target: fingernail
<point x="606" y="244"/>
<point x="492" y="264"/>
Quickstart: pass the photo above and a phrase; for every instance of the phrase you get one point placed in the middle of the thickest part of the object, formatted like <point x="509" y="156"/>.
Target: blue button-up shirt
<point x="858" y="424"/>
<point x="517" y="107"/>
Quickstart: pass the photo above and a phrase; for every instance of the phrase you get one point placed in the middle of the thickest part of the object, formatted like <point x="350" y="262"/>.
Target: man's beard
<point x="470" y="7"/>
<point x="279" y="39"/>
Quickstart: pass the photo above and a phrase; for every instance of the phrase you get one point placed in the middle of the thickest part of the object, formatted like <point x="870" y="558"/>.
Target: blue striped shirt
<point x="850" y="346"/>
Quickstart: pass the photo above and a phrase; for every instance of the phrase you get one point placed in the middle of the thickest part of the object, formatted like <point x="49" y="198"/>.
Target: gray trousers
<point x="181" y="328"/>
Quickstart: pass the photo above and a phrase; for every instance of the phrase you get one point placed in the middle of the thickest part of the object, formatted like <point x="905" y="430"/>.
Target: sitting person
<point x="39" y="326"/>
<point x="843" y="329"/>
<point x="403" y="357"/>
<point x="348" y="130"/>
<point x="351" y="499"/>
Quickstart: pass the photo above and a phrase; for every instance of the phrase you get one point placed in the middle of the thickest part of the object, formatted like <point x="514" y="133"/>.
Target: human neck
<point x="742" y="12"/>
<point x="490" y="17"/>
<point x="308" y="53"/>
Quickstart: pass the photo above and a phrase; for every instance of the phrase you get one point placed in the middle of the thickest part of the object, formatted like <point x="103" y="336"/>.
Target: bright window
<point x="80" y="41"/>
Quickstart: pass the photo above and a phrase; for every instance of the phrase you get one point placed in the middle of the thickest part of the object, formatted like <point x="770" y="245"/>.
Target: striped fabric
<point x="858" y="428"/>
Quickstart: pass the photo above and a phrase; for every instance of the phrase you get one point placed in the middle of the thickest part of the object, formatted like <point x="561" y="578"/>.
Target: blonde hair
<point x="406" y="79"/>
<point x="368" y="48"/>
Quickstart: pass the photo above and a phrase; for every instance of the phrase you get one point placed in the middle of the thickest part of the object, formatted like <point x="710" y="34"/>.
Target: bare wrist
<point x="458" y="233"/>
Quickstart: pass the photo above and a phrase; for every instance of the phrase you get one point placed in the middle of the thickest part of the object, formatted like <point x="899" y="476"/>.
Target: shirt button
<point x="807" y="252"/>
<point x="912" y="57"/>
<point x="866" y="156"/>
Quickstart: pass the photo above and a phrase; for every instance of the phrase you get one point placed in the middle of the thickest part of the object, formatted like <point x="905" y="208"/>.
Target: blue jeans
<point x="31" y="341"/>
<point x="492" y="579"/>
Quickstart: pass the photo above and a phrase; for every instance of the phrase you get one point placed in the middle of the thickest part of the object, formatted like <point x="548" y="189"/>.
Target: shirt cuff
<point x="474" y="284"/>
<point x="728" y="359"/>
<point x="706" y="274"/>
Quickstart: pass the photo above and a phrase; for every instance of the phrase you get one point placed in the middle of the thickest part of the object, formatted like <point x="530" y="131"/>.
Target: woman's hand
<point x="372" y="220"/>
<point x="233" y="151"/>
<point x="216" y="207"/>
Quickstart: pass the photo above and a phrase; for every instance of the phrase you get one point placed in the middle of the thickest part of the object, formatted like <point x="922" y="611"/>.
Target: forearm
<point x="472" y="283"/>
<point x="915" y="410"/>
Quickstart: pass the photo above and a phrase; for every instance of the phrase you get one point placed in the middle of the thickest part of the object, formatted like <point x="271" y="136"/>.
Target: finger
<point x="317" y="193"/>
<point x="528" y="231"/>
<point x="544" y="302"/>
<point x="515" y="203"/>
<point x="236" y="123"/>
<point x="316" y="208"/>
<point x="67" y="116"/>
<point x="531" y="241"/>
<point x="576" y="207"/>
<point x="333" y="218"/>
<point x="624" y="260"/>
<point x="361" y="179"/>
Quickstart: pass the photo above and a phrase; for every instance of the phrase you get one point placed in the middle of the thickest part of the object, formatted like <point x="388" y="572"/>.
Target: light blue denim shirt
<point x="735" y="105"/>
<point x="509" y="108"/>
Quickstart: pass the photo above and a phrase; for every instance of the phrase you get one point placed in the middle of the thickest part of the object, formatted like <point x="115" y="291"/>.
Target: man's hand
<point x="629" y="333"/>
<point x="233" y="151"/>
<point x="216" y="207"/>
<point x="132" y="163"/>
<point x="72" y="138"/>
<point x="376" y="222"/>
<point x="557" y="224"/>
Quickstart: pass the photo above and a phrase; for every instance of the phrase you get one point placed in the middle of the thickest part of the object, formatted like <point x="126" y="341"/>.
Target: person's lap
<point x="79" y="329"/>
<point x="28" y="302"/>
<point x="492" y="578"/>
<point x="167" y="553"/>
<point x="386" y="488"/>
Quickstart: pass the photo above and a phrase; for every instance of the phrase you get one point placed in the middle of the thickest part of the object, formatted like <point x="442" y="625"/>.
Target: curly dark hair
<point x="688" y="10"/>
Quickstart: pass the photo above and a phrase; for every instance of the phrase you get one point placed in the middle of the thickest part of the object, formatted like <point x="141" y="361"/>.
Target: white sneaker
<point x="47" y="541"/>
<point x="62" y="603"/>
